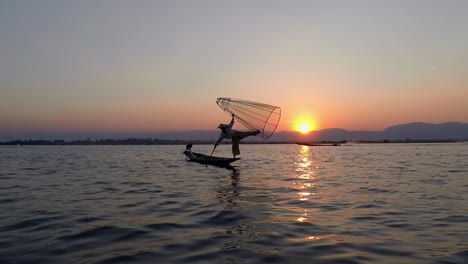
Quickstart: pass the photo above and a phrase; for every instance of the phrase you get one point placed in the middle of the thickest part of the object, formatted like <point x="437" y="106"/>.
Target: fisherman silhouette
<point x="236" y="136"/>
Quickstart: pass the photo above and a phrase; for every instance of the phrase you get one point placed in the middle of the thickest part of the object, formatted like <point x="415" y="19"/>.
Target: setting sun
<point x="305" y="126"/>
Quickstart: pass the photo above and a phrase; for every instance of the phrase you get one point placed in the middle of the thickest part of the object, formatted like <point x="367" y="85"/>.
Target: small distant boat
<point x="325" y="143"/>
<point x="206" y="159"/>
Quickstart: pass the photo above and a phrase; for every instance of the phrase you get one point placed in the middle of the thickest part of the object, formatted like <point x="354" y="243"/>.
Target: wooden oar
<point x="211" y="155"/>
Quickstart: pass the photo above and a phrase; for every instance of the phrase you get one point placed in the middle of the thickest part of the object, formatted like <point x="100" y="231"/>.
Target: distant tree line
<point x="128" y="141"/>
<point x="156" y="141"/>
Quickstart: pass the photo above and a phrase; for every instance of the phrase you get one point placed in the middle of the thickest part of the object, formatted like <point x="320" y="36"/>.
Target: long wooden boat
<point x="205" y="159"/>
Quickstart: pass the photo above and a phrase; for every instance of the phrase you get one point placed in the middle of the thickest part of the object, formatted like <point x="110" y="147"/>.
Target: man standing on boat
<point x="236" y="136"/>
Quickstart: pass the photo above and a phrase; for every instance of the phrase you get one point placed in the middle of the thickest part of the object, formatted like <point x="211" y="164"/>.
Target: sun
<point x="305" y="126"/>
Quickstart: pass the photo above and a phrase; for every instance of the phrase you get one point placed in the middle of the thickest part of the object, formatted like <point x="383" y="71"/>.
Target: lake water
<point x="382" y="203"/>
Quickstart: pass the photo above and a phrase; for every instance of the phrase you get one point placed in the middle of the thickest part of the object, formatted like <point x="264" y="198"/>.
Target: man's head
<point x="222" y="127"/>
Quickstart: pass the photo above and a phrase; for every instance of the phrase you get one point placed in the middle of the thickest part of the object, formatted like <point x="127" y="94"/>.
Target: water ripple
<point x="281" y="204"/>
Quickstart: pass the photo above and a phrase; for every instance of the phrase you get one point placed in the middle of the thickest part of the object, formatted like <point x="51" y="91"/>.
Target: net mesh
<point x="253" y="115"/>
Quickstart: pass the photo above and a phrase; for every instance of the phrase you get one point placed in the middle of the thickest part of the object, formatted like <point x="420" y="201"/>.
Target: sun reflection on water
<point x="304" y="164"/>
<point x="301" y="219"/>
<point x="313" y="238"/>
<point x="305" y="185"/>
<point x="304" y="181"/>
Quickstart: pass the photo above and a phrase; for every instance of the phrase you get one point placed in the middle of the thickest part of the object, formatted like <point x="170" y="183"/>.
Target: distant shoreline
<point x="414" y="132"/>
<point x="149" y="141"/>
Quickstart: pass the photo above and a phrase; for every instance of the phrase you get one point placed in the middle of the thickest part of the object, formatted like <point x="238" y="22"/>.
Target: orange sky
<point x="159" y="66"/>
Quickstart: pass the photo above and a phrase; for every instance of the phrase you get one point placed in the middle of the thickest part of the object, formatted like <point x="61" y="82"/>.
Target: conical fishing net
<point x="253" y="115"/>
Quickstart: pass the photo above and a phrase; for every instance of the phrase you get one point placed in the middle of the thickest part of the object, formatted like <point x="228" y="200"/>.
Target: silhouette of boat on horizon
<point x="323" y="143"/>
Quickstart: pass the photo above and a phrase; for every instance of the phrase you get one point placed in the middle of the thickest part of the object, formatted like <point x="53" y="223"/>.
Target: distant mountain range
<point x="411" y="131"/>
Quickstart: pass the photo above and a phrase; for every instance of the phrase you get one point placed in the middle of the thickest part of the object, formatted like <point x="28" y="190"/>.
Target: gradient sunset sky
<point x="160" y="65"/>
